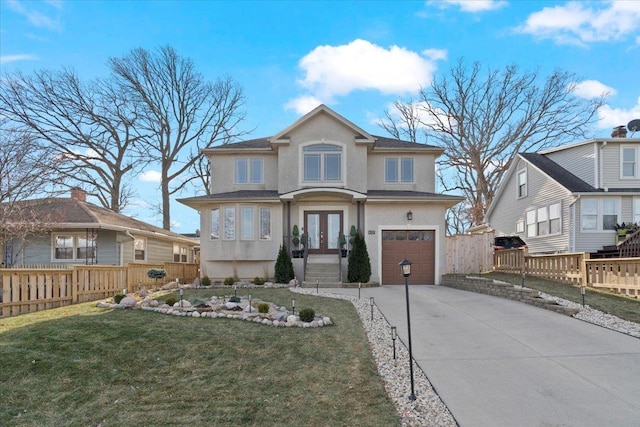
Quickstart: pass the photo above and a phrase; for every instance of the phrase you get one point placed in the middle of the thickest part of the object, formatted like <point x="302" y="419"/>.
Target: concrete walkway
<point x="496" y="362"/>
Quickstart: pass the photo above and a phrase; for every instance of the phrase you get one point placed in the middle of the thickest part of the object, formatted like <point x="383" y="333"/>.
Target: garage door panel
<point x="415" y="245"/>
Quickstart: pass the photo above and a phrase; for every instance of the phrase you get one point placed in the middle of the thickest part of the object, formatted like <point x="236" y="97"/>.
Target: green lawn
<point x="82" y="366"/>
<point x="618" y="305"/>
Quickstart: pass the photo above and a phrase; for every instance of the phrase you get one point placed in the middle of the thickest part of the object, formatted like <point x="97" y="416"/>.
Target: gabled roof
<point x="558" y="173"/>
<point x="282" y="136"/>
<point x="72" y="213"/>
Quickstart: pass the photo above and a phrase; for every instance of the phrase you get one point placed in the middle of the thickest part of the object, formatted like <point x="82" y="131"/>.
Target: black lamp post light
<point x="371" y="302"/>
<point x="394" y="335"/>
<point x="249" y="303"/>
<point x="405" y="268"/>
<point x="181" y="296"/>
<point x="293" y="306"/>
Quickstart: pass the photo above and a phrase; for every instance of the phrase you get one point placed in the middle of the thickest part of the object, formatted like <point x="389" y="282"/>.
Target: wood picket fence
<point x="26" y="290"/>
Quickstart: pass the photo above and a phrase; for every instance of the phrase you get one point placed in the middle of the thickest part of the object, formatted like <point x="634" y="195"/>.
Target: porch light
<point x="405" y="267"/>
<point x="409" y="216"/>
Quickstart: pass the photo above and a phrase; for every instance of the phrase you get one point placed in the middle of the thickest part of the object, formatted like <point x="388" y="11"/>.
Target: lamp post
<point x="371" y="304"/>
<point x="359" y="286"/>
<point x="181" y="296"/>
<point x="394" y="335"/>
<point x="293" y="306"/>
<point x="405" y="268"/>
<point x="249" y="303"/>
<point x="583" y="291"/>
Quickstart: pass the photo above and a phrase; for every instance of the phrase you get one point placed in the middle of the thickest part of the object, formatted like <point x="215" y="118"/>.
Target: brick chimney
<point x="619" y="132"/>
<point x="79" y="194"/>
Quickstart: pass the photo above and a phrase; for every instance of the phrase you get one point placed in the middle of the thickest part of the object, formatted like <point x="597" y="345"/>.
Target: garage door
<point x="418" y="246"/>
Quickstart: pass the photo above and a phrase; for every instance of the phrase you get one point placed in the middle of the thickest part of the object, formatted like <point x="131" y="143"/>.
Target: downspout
<point x="288" y="226"/>
<point x="600" y="165"/>
<point x="574" y="225"/>
<point x="128" y="233"/>
<point x="358" y="215"/>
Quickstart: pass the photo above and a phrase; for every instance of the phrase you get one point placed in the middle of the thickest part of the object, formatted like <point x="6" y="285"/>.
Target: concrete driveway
<point x="496" y="362"/>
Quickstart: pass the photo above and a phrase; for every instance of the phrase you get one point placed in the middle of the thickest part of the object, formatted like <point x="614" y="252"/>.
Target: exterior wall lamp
<point x="409" y="216"/>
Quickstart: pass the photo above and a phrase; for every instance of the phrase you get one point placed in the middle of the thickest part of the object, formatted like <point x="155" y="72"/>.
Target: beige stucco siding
<point x="423" y="167"/>
<point x="322" y="130"/>
<point x="380" y="216"/>
<point x="224" y="167"/>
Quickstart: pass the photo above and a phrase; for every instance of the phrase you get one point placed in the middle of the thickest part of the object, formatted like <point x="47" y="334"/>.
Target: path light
<point x="235" y="293"/>
<point x="293" y="306"/>
<point x="371" y="302"/>
<point x="317" y="283"/>
<point x="181" y="296"/>
<point x="359" y="286"/>
<point x="583" y="290"/>
<point x="124" y="291"/>
<point x="405" y="268"/>
<point x="394" y="335"/>
<point x="249" y="303"/>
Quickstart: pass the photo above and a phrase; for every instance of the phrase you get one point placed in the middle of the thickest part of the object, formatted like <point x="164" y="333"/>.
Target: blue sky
<point x="355" y="56"/>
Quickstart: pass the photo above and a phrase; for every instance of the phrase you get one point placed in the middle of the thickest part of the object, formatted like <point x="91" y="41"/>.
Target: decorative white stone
<point x="195" y="314"/>
<point x="326" y="320"/>
<point x="231" y="305"/>
<point x="185" y="304"/>
<point x="320" y="323"/>
<point x="154" y="303"/>
<point x="292" y="318"/>
<point x="314" y="324"/>
<point x="276" y="323"/>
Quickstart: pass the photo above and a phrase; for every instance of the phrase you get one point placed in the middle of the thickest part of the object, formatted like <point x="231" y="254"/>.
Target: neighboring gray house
<point x="323" y="174"/>
<point x="74" y="231"/>
<point x="570" y="198"/>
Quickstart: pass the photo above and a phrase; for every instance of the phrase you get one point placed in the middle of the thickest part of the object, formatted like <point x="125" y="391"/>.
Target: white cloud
<point x="593" y="89"/>
<point x="334" y="71"/>
<point x="471" y="6"/>
<point x="5" y="59"/>
<point x="612" y="117"/>
<point x="35" y="17"/>
<point x="582" y="23"/>
<point x="150" y="176"/>
<point x="303" y="104"/>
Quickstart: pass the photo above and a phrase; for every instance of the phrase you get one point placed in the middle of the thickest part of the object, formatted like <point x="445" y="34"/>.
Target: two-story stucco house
<point x="570" y="198"/>
<point x="322" y="175"/>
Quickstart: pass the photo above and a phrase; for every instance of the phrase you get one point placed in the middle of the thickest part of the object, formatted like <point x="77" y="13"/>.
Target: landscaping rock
<point x="128" y="302"/>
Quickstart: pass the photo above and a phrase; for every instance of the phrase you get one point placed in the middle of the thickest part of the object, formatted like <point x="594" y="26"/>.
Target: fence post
<point x="584" y="278"/>
<point x="74" y="285"/>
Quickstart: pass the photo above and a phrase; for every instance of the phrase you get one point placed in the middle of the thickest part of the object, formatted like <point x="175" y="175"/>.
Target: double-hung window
<point x="522" y="183"/>
<point x="398" y="169"/>
<point x="246" y="223"/>
<point x="629" y="162"/>
<point x="599" y="214"/>
<point x="140" y="249"/>
<point x="249" y="171"/>
<point x="544" y="220"/>
<point x="74" y="247"/>
<point x="322" y="163"/>
<point x="179" y="253"/>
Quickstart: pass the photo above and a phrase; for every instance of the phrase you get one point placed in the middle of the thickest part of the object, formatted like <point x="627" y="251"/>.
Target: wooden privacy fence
<point x="26" y="290"/>
<point x="616" y="274"/>
<point x="469" y="253"/>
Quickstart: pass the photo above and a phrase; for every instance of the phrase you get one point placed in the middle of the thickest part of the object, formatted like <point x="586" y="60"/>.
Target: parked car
<point x="508" y="242"/>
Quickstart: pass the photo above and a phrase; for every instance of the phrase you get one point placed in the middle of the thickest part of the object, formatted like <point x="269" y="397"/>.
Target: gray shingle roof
<point x="558" y="173"/>
<point x="381" y="142"/>
<point x="232" y="195"/>
<point x="411" y="194"/>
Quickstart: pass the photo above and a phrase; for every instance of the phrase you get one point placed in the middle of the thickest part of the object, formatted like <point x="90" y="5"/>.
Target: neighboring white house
<point x="323" y="174"/>
<point x="570" y="198"/>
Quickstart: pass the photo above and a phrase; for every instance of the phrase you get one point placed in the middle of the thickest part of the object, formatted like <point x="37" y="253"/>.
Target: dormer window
<point x="522" y="183"/>
<point x="322" y="163"/>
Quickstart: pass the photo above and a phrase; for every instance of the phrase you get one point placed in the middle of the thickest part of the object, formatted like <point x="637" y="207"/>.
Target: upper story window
<point x="522" y="183"/>
<point x="636" y="210"/>
<point x="629" y="162"/>
<point x="249" y="171"/>
<point x="599" y="214"/>
<point x="398" y="169"/>
<point x="322" y="163"/>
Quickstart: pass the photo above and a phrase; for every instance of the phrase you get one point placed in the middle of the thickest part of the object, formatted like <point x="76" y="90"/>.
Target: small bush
<point x="205" y="281"/>
<point x="229" y="281"/>
<point x="117" y="298"/>
<point x="234" y="299"/>
<point x="263" y="307"/>
<point x="307" y="314"/>
<point x="171" y="300"/>
<point x="259" y="281"/>
<point x="156" y="273"/>
<point x="284" y="266"/>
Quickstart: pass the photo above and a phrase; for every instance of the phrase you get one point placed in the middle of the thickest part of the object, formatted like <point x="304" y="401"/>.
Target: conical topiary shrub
<point x="284" y="266"/>
<point x="359" y="269"/>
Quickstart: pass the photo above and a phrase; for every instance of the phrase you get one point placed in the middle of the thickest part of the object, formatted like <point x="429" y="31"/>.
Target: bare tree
<point x="482" y="119"/>
<point x="183" y="113"/>
<point x="91" y="127"/>
<point x="25" y="170"/>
